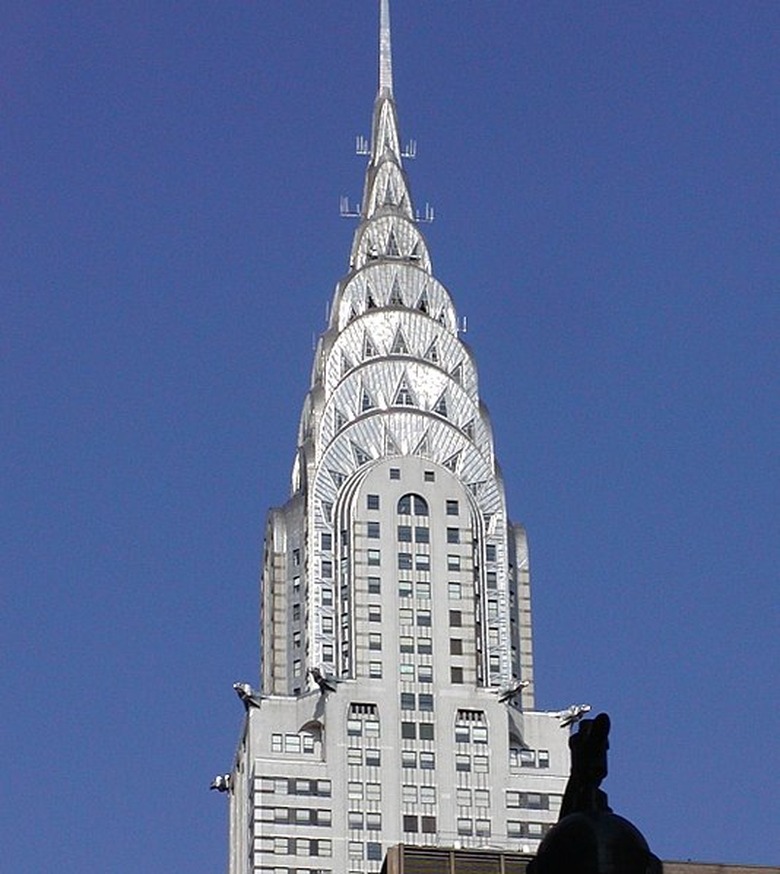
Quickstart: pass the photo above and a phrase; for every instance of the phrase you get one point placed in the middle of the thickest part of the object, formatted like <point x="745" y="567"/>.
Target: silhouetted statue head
<point x="588" y="837"/>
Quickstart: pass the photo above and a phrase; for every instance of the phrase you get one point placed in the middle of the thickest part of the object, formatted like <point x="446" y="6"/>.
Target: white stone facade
<point x="394" y="574"/>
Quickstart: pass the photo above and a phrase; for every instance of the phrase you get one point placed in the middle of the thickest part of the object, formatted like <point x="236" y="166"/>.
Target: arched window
<point x="412" y="504"/>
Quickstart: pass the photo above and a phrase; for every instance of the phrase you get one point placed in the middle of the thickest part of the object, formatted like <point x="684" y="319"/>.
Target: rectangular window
<point x="374" y="557"/>
<point x="482" y="797"/>
<point x="409" y="793"/>
<point x="410" y="823"/>
<point x="405" y="616"/>
<point x="372" y="530"/>
<point x="375" y="641"/>
<point x="404" y="561"/>
<point x="355" y="819"/>
<point x="456" y="675"/>
<point x="374" y="791"/>
<point x="453" y="562"/>
<point x="492" y="581"/>
<point x="422" y="534"/>
<point x="408" y="759"/>
<point x="426" y="730"/>
<point x="422" y="561"/>
<point x="372" y="502"/>
<point x="354" y="727"/>
<point x="427" y="794"/>
<point x="427" y="761"/>
<point x="374" y="851"/>
<point x="425" y="702"/>
<point x="395" y="473"/>
<point x="479" y="734"/>
<point x="514" y="829"/>
<point x="404" y="533"/>
<point x="405" y="589"/>
<point x="374" y="586"/>
<point x="490" y="552"/>
<point x="428" y="824"/>
<point x="327" y="596"/>
<point x="453" y="535"/>
<point x="373" y="758"/>
<point x="481" y="764"/>
<point x="463" y="797"/>
<point x="462" y="762"/>
<point x="354" y="790"/>
<point x="482" y="827"/>
<point x="462" y="734"/>
<point x="297" y="668"/>
<point x="326" y="541"/>
<point x="355" y="756"/>
<point x="544" y="758"/>
<point x="465" y="826"/>
<point x="425" y="674"/>
<point x="454" y="591"/>
<point x="371" y="728"/>
<point x="424" y="591"/>
<point x="374" y="821"/>
<point x="456" y="646"/>
<point x="374" y="613"/>
<point x="407" y="701"/>
<point x="425" y="646"/>
<point x="424" y="618"/>
<point x="406" y="672"/>
<point x="375" y="670"/>
<point x="327" y="624"/>
<point x="406" y="644"/>
<point x="452" y="508"/>
<point x="409" y="730"/>
<point x="429" y="476"/>
<point x="456" y="619"/>
<point x="355" y="849"/>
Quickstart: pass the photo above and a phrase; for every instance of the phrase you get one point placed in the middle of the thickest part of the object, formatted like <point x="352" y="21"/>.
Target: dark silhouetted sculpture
<point x="588" y="837"/>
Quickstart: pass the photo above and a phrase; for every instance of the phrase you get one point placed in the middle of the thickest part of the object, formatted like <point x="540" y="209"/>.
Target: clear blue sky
<point x="605" y="177"/>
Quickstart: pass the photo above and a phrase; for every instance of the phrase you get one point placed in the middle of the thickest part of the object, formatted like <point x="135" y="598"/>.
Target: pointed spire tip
<point x="385" y="50"/>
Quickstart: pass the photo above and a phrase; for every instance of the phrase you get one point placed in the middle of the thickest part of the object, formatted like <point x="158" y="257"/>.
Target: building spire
<point x="385" y="51"/>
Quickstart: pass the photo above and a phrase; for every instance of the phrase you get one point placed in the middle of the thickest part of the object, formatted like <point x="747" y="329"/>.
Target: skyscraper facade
<point x="396" y="693"/>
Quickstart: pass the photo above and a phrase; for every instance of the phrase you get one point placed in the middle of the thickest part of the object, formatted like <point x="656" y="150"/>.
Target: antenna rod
<point x="385" y="50"/>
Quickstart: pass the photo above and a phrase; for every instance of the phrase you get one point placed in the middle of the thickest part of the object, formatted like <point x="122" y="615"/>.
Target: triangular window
<point x="433" y="353"/>
<point x="457" y="374"/>
<point x="392" y="246"/>
<point x="370" y="302"/>
<point x="361" y="456"/>
<point x="391" y="447"/>
<point x="451" y="463"/>
<point x="327" y="510"/>
<point x="422" y="303"/>
<point x="366" y="402"/>
<point x="337" y="477"/>
<point x="352" y="314"/>
<point x="369" y="349"/>
<point x="423" y="447"/>
<point x="389" y="195"/>
<point x="414" y="255"/>
<point x="346" y="364"/>
<point x="468" y="429"/>
<point x="440" y="406"/>
<point x="400" y="346"/>
<point x="442" y="317"/>
<point x="340" y="420"/>
<point x="396" y="299"/>
<point x="404" y="396"/>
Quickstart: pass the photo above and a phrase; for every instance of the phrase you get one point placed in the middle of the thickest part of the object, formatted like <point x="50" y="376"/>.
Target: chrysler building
<point x="396" y="693"/>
